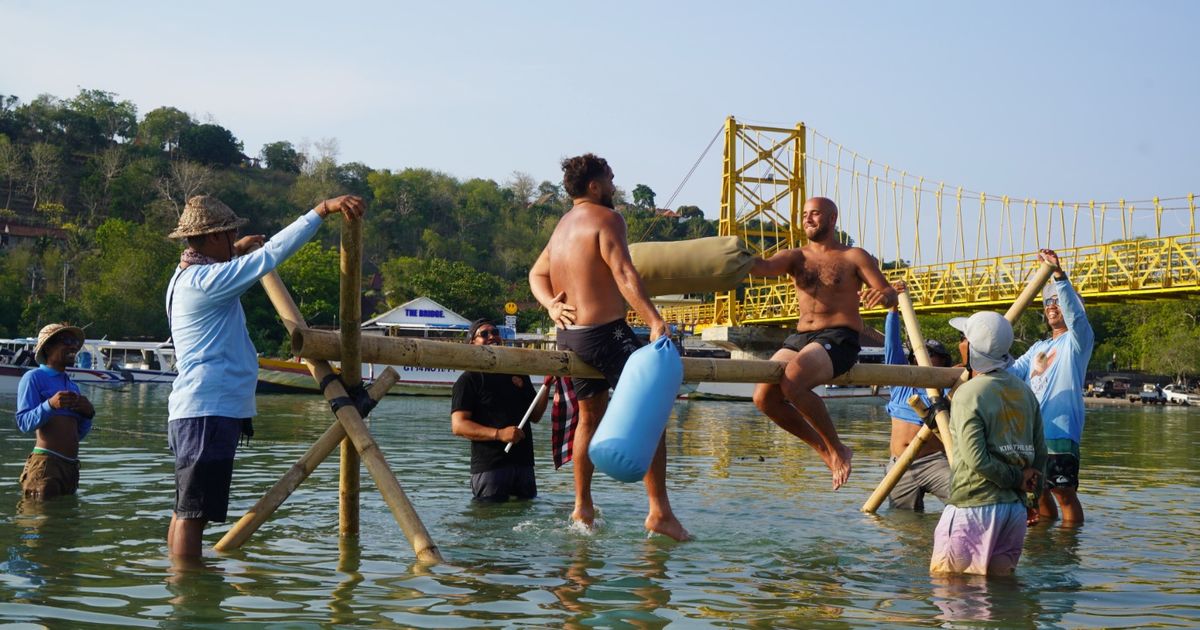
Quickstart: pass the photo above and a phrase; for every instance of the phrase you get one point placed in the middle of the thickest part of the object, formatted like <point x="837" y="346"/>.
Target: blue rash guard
<point x="34" y="392"/>
<point x="893" y="354"/>
<point x="217" y="363"/>
<point x="1055" y="368"/>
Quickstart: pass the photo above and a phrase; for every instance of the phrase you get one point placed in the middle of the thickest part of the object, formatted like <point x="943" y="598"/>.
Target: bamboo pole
<point x="325" y="345"/>
<point x="349" y="482"/>
<point x="917" y="340"/>
<point x="905" y="460"/>
<point x="377" y="465"/>
<point x="406" y="516"/>
<point x="317" y="453"/>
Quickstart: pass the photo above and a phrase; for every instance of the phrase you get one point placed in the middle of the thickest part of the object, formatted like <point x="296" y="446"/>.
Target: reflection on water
<point x="775" y="546"/>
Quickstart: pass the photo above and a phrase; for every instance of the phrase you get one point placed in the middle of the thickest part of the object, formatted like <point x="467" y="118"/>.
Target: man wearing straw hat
<point x="212" y="398"/>
<point x="50" y="403"/>
<point x="1055" y="369"/>
<point x="999" y="454"/>
<point x="488" y="409"/>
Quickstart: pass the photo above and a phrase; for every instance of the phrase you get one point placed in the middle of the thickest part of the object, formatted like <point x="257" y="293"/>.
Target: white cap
<point x="990" y="337"/>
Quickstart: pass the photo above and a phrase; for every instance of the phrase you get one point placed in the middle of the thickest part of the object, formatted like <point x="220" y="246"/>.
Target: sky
<point x="1049" y="100"/>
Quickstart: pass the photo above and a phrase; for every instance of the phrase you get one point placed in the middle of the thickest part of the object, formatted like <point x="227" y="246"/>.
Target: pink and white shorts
<point x="983" y="540"/>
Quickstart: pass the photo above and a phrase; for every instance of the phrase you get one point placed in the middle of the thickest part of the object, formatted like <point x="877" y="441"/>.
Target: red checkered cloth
<point x="564" y="416"/>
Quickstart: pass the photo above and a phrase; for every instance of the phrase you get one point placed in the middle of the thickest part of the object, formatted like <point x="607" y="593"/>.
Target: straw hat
<point x="205" y="214"/>
<point x="49" y="332"/>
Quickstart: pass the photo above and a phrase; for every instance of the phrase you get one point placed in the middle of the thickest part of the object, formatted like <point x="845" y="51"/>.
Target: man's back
<point x="578" y="267"/>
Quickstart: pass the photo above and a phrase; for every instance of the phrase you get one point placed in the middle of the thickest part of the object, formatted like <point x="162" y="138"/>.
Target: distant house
<point x="13" y="234"/>
<point x="666" y="213"/>
<point x="420" y="317"/>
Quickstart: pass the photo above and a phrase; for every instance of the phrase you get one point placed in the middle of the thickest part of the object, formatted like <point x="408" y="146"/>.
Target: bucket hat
<point x="205" y="214"/>
<point x="48" y="333"/>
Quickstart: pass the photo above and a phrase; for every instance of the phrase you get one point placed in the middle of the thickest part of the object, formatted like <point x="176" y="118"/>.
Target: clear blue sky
<point x="1051" y="100"/>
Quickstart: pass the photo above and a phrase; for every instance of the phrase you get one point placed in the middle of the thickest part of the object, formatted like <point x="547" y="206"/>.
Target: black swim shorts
<point x="840" y="343"/>
<point x="1062" y="464"/>
<point x="605" y="347"/>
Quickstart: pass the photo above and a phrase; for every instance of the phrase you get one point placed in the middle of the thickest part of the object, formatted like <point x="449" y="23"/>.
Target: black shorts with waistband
<point x="605" y="347"/>
<point x="840" y="343"/>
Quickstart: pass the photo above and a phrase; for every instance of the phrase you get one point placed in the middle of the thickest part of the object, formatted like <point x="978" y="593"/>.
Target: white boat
<point x="16" y="358"/>
<point x="145" y="361"/>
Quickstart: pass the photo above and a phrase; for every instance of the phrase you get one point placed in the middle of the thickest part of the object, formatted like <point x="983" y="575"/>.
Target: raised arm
<point x="614" y="249"/>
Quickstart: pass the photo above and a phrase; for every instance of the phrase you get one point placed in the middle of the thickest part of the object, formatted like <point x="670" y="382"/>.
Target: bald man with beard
<point x="828" y="277"/>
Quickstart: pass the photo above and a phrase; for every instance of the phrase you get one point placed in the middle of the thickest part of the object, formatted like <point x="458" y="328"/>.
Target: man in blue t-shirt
<point x="1055" y="369"/>
<point x="929" y="471"/>
<point x="50" y="404"/>
<point x="212" y="398"/>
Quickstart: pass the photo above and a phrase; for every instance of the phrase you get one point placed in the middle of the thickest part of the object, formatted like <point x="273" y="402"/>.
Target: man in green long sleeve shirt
<point x="999" y="454"/>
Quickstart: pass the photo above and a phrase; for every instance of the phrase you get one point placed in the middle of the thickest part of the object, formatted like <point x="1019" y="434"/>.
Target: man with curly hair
<point x="584" y="278"/>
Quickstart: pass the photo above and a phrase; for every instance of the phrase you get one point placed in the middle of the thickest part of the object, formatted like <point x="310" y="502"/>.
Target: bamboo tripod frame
<point x="349" y="429"/>
<point x="910" y="453"/>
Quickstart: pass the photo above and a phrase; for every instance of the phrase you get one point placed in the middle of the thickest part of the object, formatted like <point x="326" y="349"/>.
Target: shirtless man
<point x="828" y="276"/>
<point x="584" y="277"/>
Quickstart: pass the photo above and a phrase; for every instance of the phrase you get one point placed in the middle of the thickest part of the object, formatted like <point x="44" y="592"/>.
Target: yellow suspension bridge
<point x="958" y="250"/>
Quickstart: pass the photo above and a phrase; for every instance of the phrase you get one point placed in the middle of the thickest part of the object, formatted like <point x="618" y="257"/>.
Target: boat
<point x="16" y="358"/>
<point x="146" y="361"/>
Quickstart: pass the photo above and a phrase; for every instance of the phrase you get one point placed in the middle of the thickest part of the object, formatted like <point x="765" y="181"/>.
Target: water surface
<point x="774" y="545"/>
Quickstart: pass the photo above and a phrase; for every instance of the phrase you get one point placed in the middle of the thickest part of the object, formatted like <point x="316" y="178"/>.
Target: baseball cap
<point x="990" y="337"/>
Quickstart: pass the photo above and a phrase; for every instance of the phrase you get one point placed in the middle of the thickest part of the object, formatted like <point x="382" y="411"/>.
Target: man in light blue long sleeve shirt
<point x="1055" y="369"/>
<point x="213" y="394"/>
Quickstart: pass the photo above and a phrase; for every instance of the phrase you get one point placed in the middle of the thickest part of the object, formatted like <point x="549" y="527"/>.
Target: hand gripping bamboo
<point x="905" y="460"/>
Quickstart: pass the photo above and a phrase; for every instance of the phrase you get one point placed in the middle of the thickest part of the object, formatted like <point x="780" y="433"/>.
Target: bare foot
<point x="668" y="526"/>
<point x="584" y="515"/>
<point x="839" y="463"/>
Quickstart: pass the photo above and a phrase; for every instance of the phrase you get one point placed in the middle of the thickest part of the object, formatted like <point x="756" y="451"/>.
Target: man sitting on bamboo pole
<point x="827" y="276"/>
<point x="212" y="398"/>
<point x="584" y="277"/>
<point x="929" y="471"/>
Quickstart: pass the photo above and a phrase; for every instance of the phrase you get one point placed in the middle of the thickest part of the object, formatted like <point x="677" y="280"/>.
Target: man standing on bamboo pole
<point x="584" y="277"/>
<point x="827" y="276"/>
<point x="212" y="398"/>
<point x="929" y="471"/>
<point x="1055" y="369"/>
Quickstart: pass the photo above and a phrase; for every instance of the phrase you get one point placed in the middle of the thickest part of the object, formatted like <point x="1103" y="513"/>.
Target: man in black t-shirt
<point x="486" y="409"/>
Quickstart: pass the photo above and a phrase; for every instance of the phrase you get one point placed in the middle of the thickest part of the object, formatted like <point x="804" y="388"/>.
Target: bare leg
<point x="1068" y="502"/>
<point x="768" y="397"/>
<point x="805" y="370"/>
<point x="661" y="519"/>
<point x="591" y="410"/>
<point x="1047" y="511"/>
<point x="185" y="536"/>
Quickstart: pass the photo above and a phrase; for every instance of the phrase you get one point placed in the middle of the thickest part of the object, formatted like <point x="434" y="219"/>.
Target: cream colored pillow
<point x="702" y="265"/>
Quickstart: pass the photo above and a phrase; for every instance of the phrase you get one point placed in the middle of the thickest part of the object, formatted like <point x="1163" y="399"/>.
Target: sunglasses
<point x="1048" y="302"/>
<point x="490" y="332"/>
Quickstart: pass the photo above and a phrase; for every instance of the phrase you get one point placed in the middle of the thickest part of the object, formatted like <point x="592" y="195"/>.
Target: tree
<point x="455" y="284"/>
<point x="690" y="212"/>
<point x="183" y="180"/>
<point x="282" y="156"/>
<point x="106" y="166"/>
<point x="115" y="119"/>
<point x="313" y="277"/>
<point x="163" y="128"/>
<point x="522" y="186"/>
<point x="12" y="167"/>
<point x="210" y="144"/>
<point x="643" y="197"/>
<point x="42" y="175"/>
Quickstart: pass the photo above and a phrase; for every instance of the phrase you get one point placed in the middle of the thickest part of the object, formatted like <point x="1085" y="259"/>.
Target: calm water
<point x="775" y="547"/>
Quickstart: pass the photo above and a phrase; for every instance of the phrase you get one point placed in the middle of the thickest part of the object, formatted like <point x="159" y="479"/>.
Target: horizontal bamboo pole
<point x="326" y="346"/>
<point x="317" y="453"/>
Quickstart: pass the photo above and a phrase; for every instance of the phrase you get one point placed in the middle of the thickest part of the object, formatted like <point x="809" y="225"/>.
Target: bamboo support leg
<point x="317" y="453"/>
<point x="385" y="480"/>
<point x="349" y="481"/>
